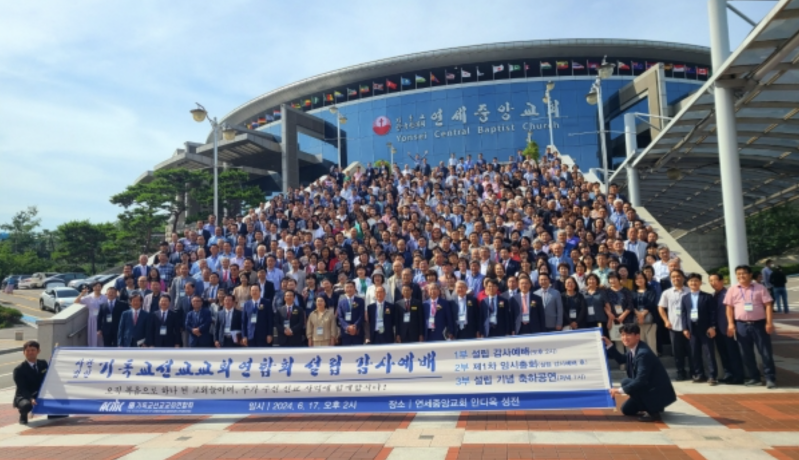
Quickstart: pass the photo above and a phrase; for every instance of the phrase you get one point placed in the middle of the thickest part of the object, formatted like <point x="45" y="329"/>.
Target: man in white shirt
<point x="670" y="307"/>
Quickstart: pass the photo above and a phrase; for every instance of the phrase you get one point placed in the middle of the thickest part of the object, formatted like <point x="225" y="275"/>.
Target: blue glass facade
<point x="492" y="118"/>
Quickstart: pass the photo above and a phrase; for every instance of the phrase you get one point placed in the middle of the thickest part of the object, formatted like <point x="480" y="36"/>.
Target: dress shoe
<point x="699" y="379"/>
<point x="650" y="418"/>
<point x="712" y="382"/>
<point x="23" y="419"/>
<point x="680" y="378"/>
<point x="753" y="383"/>
<point x="734" y="382"/>
<point x="771" y="384"/>
<point x="726" y="379"/>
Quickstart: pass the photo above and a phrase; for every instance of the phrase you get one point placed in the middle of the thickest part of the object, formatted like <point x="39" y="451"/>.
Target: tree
<point x="162" y="198"/>
<point x="772" y="232"/>
<point x="81" y="242"/>
<point x="235" y="193"/>
<point x="21" y="232"/>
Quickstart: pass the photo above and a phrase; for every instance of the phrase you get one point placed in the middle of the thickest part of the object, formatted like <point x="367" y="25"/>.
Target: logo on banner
<point x="382" y="125"/>
<point x="111" y="406"/>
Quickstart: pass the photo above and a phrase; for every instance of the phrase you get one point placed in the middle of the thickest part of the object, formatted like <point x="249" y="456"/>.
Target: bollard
<point x="19" y="335"/>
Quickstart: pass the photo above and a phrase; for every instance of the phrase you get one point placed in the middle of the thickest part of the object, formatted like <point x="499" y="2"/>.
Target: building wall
<point x="492" y="118"/>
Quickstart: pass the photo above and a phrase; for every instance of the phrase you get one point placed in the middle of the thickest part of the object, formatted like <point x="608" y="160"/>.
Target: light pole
<point x="340" y="119"/>
<point x="391" y="150"/>
<point x="200" y="114"/>
<point x="548" y="101"/>
<point x="594" y="97"/>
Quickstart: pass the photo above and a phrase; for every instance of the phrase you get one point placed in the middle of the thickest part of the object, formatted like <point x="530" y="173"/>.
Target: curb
<point x="6" y="351"/>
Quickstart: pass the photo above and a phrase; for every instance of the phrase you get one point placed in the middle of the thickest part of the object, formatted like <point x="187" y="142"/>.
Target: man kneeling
<point x="647" y="382"/>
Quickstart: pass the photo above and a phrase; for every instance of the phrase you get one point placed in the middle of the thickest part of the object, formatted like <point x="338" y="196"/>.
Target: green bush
<point x="531" y="151"/>
<point x="381" y="163"/>
<point x="9" y="317"/>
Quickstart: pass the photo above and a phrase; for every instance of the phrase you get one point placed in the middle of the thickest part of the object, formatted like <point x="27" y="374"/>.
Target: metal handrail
<point x="73" y="334"/>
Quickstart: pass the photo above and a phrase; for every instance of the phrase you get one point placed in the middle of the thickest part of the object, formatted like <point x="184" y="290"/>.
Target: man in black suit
<point x="28" y="378"/>
<point x="699" y="327"/>
<point x="410" y="316"/>
<point x="466" y="312"/>
<point x="379" y="325"/>
<point x="647" y="382"/>
<point x="132" y="324"/>
<point x="109" y="316"/>
<point x="527" y="309"/>
<point x="228" y="325"/>
<point x="511" y="266"/>
<point x="164" y="325"/>
<point x="290" y="321"/>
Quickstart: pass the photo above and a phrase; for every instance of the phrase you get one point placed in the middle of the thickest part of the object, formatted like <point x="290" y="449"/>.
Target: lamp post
<point x="200" y="114"/>
<point x="391" y="150"/>
<point x="340" y="119"/>
<point x="548" y="101"/>
<point x="594" y="97"/>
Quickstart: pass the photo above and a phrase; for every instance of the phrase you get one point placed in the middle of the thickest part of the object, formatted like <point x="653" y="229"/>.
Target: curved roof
<point x="680" y="181"/>
<point x="532" y="49"/>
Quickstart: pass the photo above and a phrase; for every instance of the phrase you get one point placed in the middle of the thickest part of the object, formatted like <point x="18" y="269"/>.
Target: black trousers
<point x="750" y="335"/>
<point x="25" y="407"/>
<point x="681" y="349"/>
<point x="730" y="356"/>
<point x="702" y="352"/>
<point x="633" y="405"/>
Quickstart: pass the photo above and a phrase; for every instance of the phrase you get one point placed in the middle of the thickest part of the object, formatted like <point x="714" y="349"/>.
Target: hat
<point x="378" y="271"/>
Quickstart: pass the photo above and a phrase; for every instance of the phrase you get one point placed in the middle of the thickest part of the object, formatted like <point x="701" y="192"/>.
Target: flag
<point x="420" y="79"/>
<point x="450" y="76"/>
<point x="433" y="78"/>
<point x="276" y="113"/>
<point x="562" y="65"/>
<point x="262" y="121"/>
<point x="593" y="65"/>
<point x="637" y="66"/>
<point x="337" y="94"/>
<point x="315" y="100"/>
<point x="405" y="81"/>
<point x="377" y="86"/>
<point x="250" y="126"/>
<point x="329" y="97"/>
<point x="679" y="68"/>
<point x="295" y="105"/>
<point x="545" y="66"/>
<point x="307" y="103"/>
<point x="701" y="71"/>
<point x="668" y="66"/>
<point x="526" y="67"/>
<point x="391" y="85"/>
<point x="577" y="66"/>
<point x="622" y="66"/>
<point x="465" y="74"/>
<point x="364" y="89"/>
<point x="689" y="69"/>
<point x="351" y="92"/>
<point x="270" y="118"/>
<point x="479" y="74"/>
<point x="498" y="68"/>
<point x="514" y="68"/>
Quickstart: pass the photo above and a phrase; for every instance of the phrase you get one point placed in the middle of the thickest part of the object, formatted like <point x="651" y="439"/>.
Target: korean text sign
<point x="565" y="370"/>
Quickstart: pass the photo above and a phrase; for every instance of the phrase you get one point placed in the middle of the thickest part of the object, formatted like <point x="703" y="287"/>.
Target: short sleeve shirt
<point x="756" y="294"/>
<point x="671" y="300"/>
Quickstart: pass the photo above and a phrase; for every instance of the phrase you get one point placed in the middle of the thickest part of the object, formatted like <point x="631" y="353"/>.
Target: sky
<point x="94" y="93"/>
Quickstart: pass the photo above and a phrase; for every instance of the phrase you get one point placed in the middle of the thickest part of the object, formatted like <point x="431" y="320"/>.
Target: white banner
<point x="565" y="370"/>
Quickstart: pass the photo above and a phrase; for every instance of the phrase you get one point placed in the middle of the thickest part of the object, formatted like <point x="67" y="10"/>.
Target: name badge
<point x="227" y="330"/>
<point x="253" y="319"/>
<point x="749" y="307"/>
<point x="462" y="317"/>
<point x="95" y="313"/>
<point x="493" y="318"/>
<point x="619" y="310"/>
<point x="286" y="324"/>
<point x="406" y="318"/>
<point x="140" y="343"/>
<point x="309" y="305"/>
<point x="694" y="315"/>
<point x="109" y="318"/>
<point x="526" y="317"/>
<point x="591" y="311"/>
<point x="348" y="316"/>
<point x="573" y="313"/>
<point x="163" y="330"/>
<point x="431" y="323"/>
<point x="678" y="310"/>
<point x="320" y="330"/>
<point x="182" y="294"/>
<point x="379" y="324"/>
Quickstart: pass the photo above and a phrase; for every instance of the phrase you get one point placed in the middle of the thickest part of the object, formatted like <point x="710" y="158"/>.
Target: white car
<point x="57" y="298"/>
<point x="35" y="281"/>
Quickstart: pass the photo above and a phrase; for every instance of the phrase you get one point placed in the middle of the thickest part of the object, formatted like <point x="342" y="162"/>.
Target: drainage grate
<point x="426" y="436"/>
<point x="183" y="438"/>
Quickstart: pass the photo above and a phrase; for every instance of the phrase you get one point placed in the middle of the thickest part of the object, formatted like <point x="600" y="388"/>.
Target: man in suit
<point x="198" y="325"/>
<point x="727" y="346"/>
<point x="28" y="378"/>
<point x="152" y="299"/>
<point x="182" y="306"/>
<point x="495" y="313"/>
<point x="466" y="314"/>
<point x="552" y="303"/>
<point x="627" y="258"/>
<point x="265" y="286"/>
<point x="647" y="382"/>
<point x="380" y="319"/>
<point x="127" y="270"/>
<point x="142" y="269"/>
<point x="290" y="322"/>
<point x="228" y="332"/>
<point x="257" y="320"/>
<point x="410" y="317"/>
<point x="437" y="315"/>
<point x="133" y="324"/>
<point x="527" y="309"/>
<point x="163" y="326"/>
<point x="699" y="327"/>
<point x="351" y="311"/>
<point x="511" y="266"/>
<point x="109" y="316"/>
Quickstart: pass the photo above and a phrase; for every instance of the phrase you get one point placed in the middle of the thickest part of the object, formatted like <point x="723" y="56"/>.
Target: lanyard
<point x="743" y="293"/>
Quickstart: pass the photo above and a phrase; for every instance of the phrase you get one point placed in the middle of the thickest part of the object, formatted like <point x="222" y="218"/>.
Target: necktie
<point x="525" y="305"/>
<point x="34" y="367"/>
<point x="630" y="364"/>
<point x="135" y="317"/>
<point x="407" y="304"/>
<point x="163" y="316"/>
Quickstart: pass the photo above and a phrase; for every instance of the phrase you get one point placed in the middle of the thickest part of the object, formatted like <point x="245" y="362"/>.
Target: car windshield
<point x="66" y="292"/>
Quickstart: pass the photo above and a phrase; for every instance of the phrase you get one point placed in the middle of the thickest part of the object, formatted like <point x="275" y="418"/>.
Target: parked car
<point x="61" y="279"/>
<point x="57" y="299"/>
<point x="13" y="280"/>
<point x="76" y="282"/>
<point x="35" y="281"/>
<point x="88" y="282"/>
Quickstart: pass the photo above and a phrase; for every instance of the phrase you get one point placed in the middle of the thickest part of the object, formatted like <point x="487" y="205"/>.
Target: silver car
<point x="57" y="298"/>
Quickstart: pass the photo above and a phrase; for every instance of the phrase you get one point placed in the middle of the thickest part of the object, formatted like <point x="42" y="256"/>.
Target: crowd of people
<point x="464" y="250"/>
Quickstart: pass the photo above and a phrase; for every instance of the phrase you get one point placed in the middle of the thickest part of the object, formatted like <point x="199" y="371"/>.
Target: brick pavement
<point x="286" y="451"/>
<point x="759" y="412"/>
<point x="65" y="453"/>
<point x="357" y="422"/>
<point x="588" y="452"/>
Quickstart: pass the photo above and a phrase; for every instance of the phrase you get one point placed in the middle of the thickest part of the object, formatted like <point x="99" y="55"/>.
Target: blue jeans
<point x="781" y="296"/>
<point x="750" y="335"/>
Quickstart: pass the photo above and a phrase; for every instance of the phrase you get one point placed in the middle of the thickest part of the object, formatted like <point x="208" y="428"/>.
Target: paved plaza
<point x="722" y="422"/>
